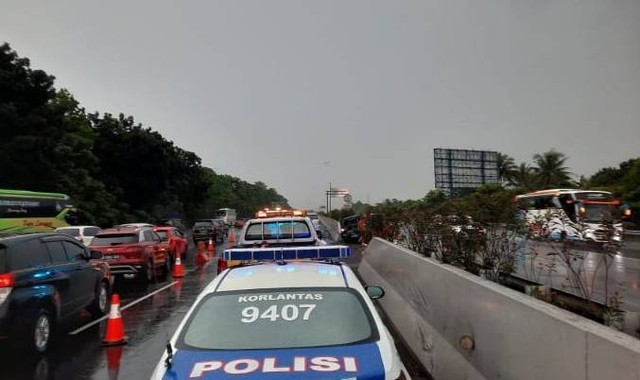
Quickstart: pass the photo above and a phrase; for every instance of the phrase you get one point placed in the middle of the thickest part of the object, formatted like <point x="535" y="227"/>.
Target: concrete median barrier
<point x="461" y="326"/>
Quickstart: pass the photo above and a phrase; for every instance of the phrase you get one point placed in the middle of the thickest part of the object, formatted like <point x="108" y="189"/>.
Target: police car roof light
<point x="287" y="253"/>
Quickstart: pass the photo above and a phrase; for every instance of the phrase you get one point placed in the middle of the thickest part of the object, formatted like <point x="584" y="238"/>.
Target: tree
<point x="26" y="127"/>
<point x="434" y="198"/>
<point x="112" y="167"/>
<point x="507" y="168"/>
<point x="550" y="170"/>
<point x="524" y="177"/>
<point x="631" y="185"/>
<point x="611" y="178"/>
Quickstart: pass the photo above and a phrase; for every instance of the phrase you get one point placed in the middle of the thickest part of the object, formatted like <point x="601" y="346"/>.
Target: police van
<point x="297" y="313"/>
<point x="275" y="228"/>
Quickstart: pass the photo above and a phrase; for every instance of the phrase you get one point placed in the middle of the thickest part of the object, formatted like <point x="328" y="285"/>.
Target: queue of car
<point x="283" y="306"/>
<point x="48" y="278"/>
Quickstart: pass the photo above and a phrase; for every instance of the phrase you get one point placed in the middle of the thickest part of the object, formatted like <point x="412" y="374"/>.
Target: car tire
<point x="100" y="304"/>
<point x="165" y="270"/>
<point x="148" y="273"/>
<point x="40" y="331"/>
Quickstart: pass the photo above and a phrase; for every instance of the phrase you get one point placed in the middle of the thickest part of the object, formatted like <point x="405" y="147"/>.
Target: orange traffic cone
<point x="200" y="247"/>
<point x="114" y="335"/>
<point x="232" y="238"/>
<point x="178" y="270"/>
<point x="114" y="354"/>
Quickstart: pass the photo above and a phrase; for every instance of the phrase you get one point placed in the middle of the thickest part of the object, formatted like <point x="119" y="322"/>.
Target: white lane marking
<point x="88" y="325"/>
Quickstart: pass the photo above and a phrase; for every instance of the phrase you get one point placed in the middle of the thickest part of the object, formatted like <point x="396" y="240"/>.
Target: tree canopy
<point x="113" y="168"/>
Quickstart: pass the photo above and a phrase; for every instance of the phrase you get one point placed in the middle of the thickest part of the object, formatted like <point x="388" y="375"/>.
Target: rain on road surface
<point x="150" y="315"/>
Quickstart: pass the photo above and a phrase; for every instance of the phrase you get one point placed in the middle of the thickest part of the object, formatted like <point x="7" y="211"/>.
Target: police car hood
<point x="361" y="361"/>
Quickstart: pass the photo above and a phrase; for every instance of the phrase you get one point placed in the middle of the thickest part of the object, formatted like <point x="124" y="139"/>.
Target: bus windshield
<point x="600" y="213"/>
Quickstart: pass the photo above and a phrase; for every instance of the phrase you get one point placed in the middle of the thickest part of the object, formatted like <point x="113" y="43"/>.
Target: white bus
<point x="228" y="215"/>
<point x="576" y="214"/>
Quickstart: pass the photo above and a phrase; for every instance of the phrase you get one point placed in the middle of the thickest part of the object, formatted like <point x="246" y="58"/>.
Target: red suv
<point x="134" y="252"/>
<point x="176" y="239"/>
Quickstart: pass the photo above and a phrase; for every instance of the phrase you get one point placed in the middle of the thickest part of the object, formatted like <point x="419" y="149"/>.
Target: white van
<point x="82" y="234"/>
<point x="228" y="215"/>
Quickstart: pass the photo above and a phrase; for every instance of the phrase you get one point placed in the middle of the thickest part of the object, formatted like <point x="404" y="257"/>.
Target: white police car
<point x="283" y="320"/>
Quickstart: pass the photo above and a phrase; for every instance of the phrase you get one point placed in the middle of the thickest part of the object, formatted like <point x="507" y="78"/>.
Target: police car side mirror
<point x="96" y="255"/>
<point x="374" y="292"/>
<point x="319" y="233"/>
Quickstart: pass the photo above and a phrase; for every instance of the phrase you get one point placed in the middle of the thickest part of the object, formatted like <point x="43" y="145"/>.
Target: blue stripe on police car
<point x="360" y="361"/>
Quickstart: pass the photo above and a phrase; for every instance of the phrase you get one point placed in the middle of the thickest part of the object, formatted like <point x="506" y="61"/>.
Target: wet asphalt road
<point x="150" y="315"/>
<point x="148" y="323"/>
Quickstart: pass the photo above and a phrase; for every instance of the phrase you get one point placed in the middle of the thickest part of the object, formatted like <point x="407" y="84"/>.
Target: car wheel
<point x="41" y="331"/>
<point x="164" y="270"/>
<point x="148" y="273"/>
<point x="101" y="302"/>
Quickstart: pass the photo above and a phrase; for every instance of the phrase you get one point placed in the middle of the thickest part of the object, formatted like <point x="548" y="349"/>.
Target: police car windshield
<point x="272" y="230"/>
<point x="268" y="319"/>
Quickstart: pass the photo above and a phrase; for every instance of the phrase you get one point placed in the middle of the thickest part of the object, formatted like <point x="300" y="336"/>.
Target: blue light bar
<point x="287" y="253"/>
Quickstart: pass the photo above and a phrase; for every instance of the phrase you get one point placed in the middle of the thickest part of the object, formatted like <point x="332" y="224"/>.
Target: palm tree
<point x="523" y="177"/>
<point x="506" y="168"/>
<point x="550" y="170"/>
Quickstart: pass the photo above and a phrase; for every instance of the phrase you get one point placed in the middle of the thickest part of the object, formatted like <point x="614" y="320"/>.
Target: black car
<point x="349" y="231"/>
<point x="205" y="229"/>
<point x="46" y="278"/>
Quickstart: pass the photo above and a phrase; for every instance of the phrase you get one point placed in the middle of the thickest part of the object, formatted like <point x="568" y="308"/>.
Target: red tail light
<point x="222" y="265"/>
<point x="6" y="280"/>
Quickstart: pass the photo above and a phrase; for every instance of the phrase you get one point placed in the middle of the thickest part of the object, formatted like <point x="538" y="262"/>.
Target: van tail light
<point x="6" y="284"/>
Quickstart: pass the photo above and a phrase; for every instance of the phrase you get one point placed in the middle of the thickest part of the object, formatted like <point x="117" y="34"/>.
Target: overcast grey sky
<point x="272" y="90"/>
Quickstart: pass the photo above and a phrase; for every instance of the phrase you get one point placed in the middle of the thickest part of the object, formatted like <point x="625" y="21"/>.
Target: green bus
<point x="30" y="211"/>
